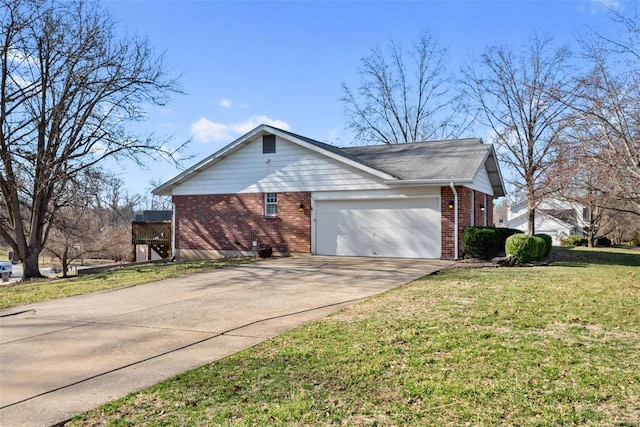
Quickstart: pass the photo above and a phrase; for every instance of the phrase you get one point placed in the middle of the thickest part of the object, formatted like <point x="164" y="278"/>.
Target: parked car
<point x="6" y="266"/>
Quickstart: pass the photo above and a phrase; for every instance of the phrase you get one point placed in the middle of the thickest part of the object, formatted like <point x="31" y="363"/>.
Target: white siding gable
<point x="545" y="225"/>
<point x="291" y="168"/>
<point x="481" y="182"/>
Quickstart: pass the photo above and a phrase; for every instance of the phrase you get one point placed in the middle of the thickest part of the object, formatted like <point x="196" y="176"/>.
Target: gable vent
<point x="268" y="144"/>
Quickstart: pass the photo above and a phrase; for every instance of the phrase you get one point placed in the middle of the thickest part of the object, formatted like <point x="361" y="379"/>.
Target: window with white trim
<point x="271" y="204"/>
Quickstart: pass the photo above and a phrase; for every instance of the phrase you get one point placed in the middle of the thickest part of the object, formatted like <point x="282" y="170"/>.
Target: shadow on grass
<point x="581" y="257"/>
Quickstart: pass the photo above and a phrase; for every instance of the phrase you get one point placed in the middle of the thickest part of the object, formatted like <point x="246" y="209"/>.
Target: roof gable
<point x="421" y="163"/>
<point x="308" y="143"/>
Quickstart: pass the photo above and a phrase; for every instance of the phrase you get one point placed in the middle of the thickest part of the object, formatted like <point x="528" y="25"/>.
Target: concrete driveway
<point x="62" y="357"/>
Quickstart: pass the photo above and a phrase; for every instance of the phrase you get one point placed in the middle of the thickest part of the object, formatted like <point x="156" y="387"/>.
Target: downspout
<point x="173" y="231"/>
<point x="455" y="220"/>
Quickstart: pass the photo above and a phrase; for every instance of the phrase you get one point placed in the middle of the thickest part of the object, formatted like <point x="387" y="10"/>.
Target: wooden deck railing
<point x="150" y="233"/>
<point x="156" y="234"/>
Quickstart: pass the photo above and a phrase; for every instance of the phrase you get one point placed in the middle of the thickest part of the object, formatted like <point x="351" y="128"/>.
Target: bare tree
<point x="73" y="235"/>
<point x="116" y="204"/>
<point x="404" y="96"/>
<point x="68" y="88"/>
<point x="620" y="226"/>
<point x="517" y="94"/>
<point x="87" y="226"/>
<point x="608" y="105"/>
<point x="584" y="179"/>
<point x="158" y="202"/>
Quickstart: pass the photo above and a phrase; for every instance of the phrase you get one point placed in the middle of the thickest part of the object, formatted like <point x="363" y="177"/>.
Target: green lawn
<point x="556" y="345"/>
<point x="45" y="289"/>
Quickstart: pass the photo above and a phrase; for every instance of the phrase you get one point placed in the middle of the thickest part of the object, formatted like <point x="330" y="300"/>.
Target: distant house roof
<point x="152" y="216"/>
<point x="428" y="163"/>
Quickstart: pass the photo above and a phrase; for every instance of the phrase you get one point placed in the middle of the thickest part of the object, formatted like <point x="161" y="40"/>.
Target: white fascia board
<point x="333" y="156"/>
<point x="493" y="154"/>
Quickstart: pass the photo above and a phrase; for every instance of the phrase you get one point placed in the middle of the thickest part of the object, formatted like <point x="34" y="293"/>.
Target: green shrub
<point x="572" y="241"/>
<point x="543" y="248"/>
<point x="548" y="241"/>
<point x="636" y="240"/>
<point x="525" y="248"/>
<point x="479" y="242"/>
<point x="485" y="242"/>
<point x="603" y="241"/>
<point x="502" y="234"/>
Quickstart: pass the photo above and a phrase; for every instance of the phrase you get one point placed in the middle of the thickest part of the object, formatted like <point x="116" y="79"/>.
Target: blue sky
<point x="283" y="63"/>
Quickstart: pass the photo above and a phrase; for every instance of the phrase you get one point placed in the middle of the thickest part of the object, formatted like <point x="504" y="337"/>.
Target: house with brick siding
<point x="273" y="188"/>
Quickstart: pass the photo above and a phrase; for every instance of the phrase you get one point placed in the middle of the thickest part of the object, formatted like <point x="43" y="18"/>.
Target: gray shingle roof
<point x="442" y="160"/>
<point x="448" y="159"/>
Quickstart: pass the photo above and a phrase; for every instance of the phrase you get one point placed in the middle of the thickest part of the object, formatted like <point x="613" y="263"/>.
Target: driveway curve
<point x="62" y="357"/>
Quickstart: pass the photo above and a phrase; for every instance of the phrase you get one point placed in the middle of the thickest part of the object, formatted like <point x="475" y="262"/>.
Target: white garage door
<point x="401" y="228"/>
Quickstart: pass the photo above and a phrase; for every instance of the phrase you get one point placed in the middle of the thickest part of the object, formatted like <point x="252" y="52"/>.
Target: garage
<point x="397" y="228"/>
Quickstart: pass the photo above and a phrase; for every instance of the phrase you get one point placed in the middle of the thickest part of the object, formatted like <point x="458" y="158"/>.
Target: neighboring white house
<point x="557" y="218"/>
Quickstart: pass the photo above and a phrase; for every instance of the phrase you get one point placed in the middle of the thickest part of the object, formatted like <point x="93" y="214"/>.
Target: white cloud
<point x="98" y="148"/>
<point x="255" y="121"/>
<point x="335" y="136"/>
<point x="598" y="5"/>
<point x="169" y="154"/>
<point x="204" y="130"/>
<point x="226" y="103"/>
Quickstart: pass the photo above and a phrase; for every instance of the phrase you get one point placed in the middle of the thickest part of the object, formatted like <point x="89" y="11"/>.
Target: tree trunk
<point x="30" y="269"/>
<point x="65" y="261"/>
<point x="592" y="224"/>
<point x="531" y="213"/>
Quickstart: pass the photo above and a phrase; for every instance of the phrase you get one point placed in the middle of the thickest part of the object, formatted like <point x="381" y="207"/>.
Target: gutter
<point x="439" y="182"/>
<point x="455" y="220"/>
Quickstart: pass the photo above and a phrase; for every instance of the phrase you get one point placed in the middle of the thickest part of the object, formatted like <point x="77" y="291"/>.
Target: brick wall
<point x="231" y="222"/>
<point x="464" y="216"/>
<point x="479" y="214"/>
